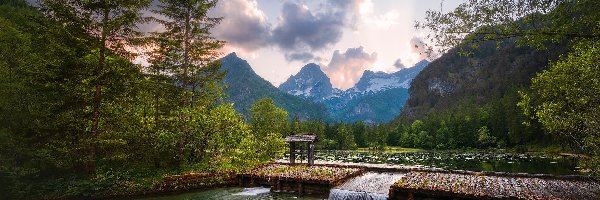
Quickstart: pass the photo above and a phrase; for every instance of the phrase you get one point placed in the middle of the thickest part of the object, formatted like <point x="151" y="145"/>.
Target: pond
<point x="235" y="193"/>
<point x="535" y="163"/>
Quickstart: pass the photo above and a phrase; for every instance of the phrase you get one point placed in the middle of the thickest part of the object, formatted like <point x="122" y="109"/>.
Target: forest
<point x="78" y="118"/>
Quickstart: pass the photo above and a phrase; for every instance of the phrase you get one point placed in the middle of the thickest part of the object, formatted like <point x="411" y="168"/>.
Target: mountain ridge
<point x="310" y="82"/>
<point x="244" y="87"/>
<point x="491" y="73"/>
<point x="362" y="102"/>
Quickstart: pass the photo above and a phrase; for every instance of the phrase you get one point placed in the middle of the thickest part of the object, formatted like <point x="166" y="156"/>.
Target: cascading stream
<point x="370" y="185"/>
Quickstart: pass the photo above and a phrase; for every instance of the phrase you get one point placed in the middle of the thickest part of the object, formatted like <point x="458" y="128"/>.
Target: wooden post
<point x="311" y="153"/>
<point x="278" y="185"/>
<point x="300" y="188"/>
<point x="292" y="153"/>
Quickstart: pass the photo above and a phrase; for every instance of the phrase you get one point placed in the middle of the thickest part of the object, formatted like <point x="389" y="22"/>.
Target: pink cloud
<point x="345" y="69"/>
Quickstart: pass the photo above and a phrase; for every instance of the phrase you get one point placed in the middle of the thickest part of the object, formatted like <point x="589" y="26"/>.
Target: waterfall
<point x="372" y="186"/>
<point x="338" y="194"/>
<point x="253" y="191"/>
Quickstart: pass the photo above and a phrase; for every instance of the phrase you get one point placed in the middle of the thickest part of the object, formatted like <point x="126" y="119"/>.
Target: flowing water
<point x="369" y="186"/>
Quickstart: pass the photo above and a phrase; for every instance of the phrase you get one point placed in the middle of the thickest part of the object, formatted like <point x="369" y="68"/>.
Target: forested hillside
<point x="480" y="89"/>
<point x="489" y="73"/>
<point x="512" y="73"/>
<point x="244" y="87"/>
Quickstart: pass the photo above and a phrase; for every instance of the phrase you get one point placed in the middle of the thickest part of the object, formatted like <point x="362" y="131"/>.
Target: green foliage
<point x="107" y="27"/>
<point x="49" y="73"/>
<point x="485" y="139"/>
<point x="344" y="137"/>
<point x="495" y="124"/>
<point x="565" y="99"/>
<point x="533" y="22"/>
<point x="268" y="123"/>
<point x="359" y="129"/>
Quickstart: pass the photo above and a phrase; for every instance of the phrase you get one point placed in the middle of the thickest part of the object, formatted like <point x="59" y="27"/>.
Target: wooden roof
<point x="301" y="138"/>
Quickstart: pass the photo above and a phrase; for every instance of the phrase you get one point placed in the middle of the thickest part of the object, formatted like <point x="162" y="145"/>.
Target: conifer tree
<point x="187" y="52"/>
<point x="109" y="26"/>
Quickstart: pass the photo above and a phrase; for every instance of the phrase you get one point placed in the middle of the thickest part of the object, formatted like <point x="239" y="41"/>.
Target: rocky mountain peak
<point x="378" y="81"/>
<point x="310" y="82"/>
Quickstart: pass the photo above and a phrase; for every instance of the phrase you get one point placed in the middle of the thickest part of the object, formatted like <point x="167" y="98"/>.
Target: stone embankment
<point x="426" y="183"/>
<point x="472" y="185"/>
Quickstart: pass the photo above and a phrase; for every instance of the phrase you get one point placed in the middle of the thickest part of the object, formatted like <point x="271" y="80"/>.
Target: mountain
<point x="309" y="83"/>
<point x="492" y="72"/>
<point x="376" y="97"/>
<point x="379" y="81"/>
<point x="381" y="106"/>
<point x="244" y="87"/>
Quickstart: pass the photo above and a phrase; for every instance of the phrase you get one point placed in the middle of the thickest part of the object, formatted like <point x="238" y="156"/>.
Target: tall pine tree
<point x="110" y="27"/>
<point x="187" y="53"/>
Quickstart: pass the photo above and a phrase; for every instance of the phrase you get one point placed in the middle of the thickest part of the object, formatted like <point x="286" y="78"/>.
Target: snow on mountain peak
<point x="310" y="83"/>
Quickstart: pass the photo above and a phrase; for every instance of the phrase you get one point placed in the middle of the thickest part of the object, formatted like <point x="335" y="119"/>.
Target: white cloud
<point x="384" y="21"/>
<point x="244" y="26"/>
<point x="345" y="69"/>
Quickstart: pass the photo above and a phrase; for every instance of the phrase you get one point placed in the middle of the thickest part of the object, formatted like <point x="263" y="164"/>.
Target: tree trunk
<point x="186" y="82"/>
<point x="91" y="165"/>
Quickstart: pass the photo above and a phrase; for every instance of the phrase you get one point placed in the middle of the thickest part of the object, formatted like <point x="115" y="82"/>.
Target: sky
<point x="344" y="37"/>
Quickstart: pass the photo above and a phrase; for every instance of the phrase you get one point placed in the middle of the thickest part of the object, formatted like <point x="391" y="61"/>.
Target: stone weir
<point x="490" y="185"/>
<point x="299" y="178"/>
<point x="370" y="185"/>
<point x="374" y="181"/>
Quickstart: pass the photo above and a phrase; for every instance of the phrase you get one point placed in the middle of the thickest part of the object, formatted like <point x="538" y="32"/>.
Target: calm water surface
<point x="534" y="163"/>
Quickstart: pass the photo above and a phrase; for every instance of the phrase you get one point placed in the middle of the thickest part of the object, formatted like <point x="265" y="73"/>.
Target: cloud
<point x="244" y="25"/>
<point x="421" y="49"/>
<point x="345" y="69"/>
<point x="384" y="21"/>
<point x="351" y="10"/>
<point x="398" y="64"/>
<point x="300" y="32"/>
<point x="304" y="57"/>
<point x="301" y="29"/>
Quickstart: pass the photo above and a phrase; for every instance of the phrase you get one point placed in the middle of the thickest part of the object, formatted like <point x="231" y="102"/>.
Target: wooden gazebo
<point x="310" y="139"/>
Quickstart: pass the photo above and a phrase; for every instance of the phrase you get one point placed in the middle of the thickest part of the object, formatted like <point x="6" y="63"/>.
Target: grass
<point x="304" y="172"/>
